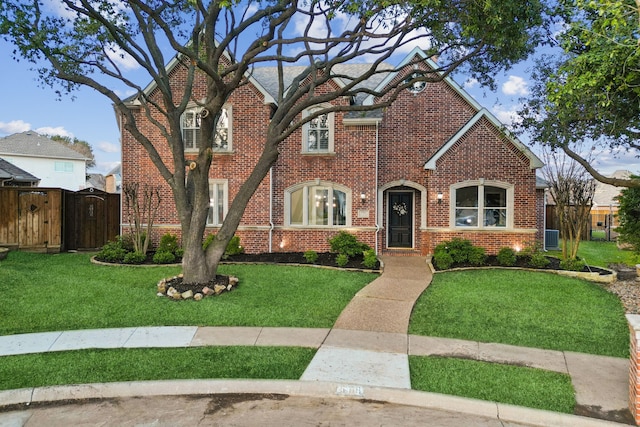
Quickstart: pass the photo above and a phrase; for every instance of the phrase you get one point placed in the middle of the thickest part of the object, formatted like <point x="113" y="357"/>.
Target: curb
<point x="315" y="389"/>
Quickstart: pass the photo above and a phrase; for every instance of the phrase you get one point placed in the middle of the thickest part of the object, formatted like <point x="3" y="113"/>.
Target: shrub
<point x="442" y="259"/>
<point x="233" y="247"/>
<point x="115" y="251"/>
<point x="164" y="257"/>
<point x="370" y="259"/>
<point x="572" y="264"/>
<point x="311" y="256"/>
<point x="458" y="251"/>
<point x="476" y="256"/>
<point x="506" y="257"/>
<point x="347" y="244"/>
<point x="168" y="243"/>
<point x="134" y="258"/>
<point x="342" y="260"/>
<point x="538" y="260"/>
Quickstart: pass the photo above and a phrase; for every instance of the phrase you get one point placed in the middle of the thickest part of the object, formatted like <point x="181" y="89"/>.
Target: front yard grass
<point x="601" y="254"/>
<point x="522" y="308"/>
<point x="98" y="365"/>
<point x="66" y="292"/>
<point x="515" y="385"/>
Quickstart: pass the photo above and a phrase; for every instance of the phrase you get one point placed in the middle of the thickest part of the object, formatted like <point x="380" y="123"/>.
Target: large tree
<point x="82" y="147"/>
<point x="589" y="95"/>
<point x="82" y="42"/>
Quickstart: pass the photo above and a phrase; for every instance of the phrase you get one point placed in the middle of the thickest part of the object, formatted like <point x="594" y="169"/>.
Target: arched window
<point x="482" y="204"/>
<point x="191" y="135"/>
<point x="318" y="204"/>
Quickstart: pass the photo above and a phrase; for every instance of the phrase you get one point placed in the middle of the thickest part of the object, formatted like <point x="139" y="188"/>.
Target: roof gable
<point x="32" y="144"/>
<point x="534" y="161"/>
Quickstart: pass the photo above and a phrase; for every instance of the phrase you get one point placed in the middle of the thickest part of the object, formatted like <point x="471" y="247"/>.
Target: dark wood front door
<point x="400" y="213"/>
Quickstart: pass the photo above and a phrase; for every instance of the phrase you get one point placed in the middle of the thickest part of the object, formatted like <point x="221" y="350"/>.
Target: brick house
<point x="433" y="166"/>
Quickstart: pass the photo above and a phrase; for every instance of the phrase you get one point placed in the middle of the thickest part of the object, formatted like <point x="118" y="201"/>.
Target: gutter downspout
<point x="121" y="140"/>
<point x="271" y="226"/>
<point x="376" y="192"/>
<point x="544" y="220"/>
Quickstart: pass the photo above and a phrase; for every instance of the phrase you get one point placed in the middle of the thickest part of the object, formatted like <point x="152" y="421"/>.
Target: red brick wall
<point x="412" y="130"/>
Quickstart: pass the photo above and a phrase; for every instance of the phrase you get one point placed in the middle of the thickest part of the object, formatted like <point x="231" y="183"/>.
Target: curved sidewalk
<point x="365" y="356"/>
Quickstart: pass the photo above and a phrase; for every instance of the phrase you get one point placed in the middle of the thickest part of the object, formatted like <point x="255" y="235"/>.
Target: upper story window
<point x="63" y="167"/>
<point x="318" y="133"/>
<point x="482" y="204"/>
<point x="191" y="134"/>
<point x="318" y="204"/>
<point x="218" y="200"/>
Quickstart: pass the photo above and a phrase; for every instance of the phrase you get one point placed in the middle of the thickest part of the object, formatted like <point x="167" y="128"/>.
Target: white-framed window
<point x="191" y="135"/>
<point x="482" y="204"/>
<point x="65" y="167"/>
<point x="218" y="201"/>
<point x="317" y="134"/>
<point x="318" y="204"/>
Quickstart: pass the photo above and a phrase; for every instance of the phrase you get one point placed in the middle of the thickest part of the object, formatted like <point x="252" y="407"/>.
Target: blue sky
<point x="89" y="116"/>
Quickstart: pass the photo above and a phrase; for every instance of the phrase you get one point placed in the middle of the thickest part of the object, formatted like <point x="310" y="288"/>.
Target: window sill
<point x="319" y="154"/>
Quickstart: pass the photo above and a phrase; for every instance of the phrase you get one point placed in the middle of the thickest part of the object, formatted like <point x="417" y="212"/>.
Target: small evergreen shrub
<point x="347" y="244"/>
<point x="163" y="257"/>
<point x="370" y="259"/>
<point x="115" y="251"/>
<point x="134" y="258"/>
<point x="572" y="264"/>
<point x="538" y="260"/>
<point x="458" y="251"/>
<point x="234" y="247"/>
<point x="208" y="240"/>
<point x="311" y="256"/>
<point x="342" y="260"/>
<point x="443" y="259"/>
<point x="168" y="243"/>
<point x="476" y="256"/>
<point x="506" y="257"/>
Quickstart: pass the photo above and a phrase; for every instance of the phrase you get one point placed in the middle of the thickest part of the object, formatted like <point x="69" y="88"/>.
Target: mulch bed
<point x="521" y="262"/>
<point x="326" y="259"/>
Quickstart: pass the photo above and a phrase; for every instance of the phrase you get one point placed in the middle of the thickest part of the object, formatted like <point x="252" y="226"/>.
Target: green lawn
<point x="522" y="308"/>
<point x="515" y="385"/>
<point x="601" y="254"/>
<point x="66" y="292"/>
<point x="136" y="364"/>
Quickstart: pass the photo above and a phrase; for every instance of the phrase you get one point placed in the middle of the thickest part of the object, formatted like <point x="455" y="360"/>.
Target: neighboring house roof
<point x="96" y="180"/>
<point x="606" y="194"/>
<point x="32" y="144"/>
<point x="117" y="170"/>
<point x="12" y="173"/>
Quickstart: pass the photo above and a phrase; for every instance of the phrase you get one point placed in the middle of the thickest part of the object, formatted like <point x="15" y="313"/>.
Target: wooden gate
<point x="92" y="219"/>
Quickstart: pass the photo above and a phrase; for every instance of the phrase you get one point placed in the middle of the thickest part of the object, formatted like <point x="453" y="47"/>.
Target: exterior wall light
<point x="439" y="197"/>
<point x="363" y="197"/>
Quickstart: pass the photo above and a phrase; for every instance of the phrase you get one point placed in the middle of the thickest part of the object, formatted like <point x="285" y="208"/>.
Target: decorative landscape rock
<point x="173" y="288"/>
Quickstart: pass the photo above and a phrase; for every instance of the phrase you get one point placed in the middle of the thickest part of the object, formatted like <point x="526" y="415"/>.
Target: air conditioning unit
<point x="551" y="239"/>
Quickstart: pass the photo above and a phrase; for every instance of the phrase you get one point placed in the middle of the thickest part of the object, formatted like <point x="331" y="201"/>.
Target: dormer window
<point x="192" y="135"/>
<point x="318" y="133"/>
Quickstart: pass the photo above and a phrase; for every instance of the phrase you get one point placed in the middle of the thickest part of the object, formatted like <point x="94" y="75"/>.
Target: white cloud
<point x="515" y="85"/>
<point x="108" y="147"/>
<point x="14" y="126"/>
<point x="509" y="116"/>
<point x="470" y="83"/>
<point x="121" y="58"/>
<point x="48" y="130"/>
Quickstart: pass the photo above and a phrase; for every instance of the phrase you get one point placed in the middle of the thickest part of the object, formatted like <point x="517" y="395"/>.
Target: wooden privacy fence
<point x="54" y="220"/>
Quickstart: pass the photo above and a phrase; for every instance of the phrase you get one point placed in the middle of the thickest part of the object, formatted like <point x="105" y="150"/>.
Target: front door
<point x="400" y="213"/>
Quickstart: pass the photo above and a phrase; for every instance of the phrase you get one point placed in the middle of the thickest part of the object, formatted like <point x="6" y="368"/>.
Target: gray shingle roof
<point x="14" y="173"/>
<point x="606" y="194"/>
<point x="32" y="144"/>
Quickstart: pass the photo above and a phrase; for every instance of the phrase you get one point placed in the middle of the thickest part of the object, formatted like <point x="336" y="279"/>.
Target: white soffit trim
<point x="534" y="161"/>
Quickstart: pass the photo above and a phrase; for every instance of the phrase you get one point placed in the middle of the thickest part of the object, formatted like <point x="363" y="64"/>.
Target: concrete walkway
<point x="365" y="355"/>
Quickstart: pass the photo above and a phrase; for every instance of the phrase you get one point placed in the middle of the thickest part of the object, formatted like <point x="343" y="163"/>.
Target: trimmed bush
<point x="311" y="256"/>
<point x="476" y="256"/>
<point x="134" y="258"/>
<point x="347" y="244"/>
<point x="507" y="257"/>
<point x="342" y="260"/>
<point x="164" y="257"/>
<point x="168" y="243"/>
<point x="443" y="259"/>
<point x="116" y="250"/>
<point x="370" y="259"/>
<point x="572" y="264"/>
<point x="233" y="247"/>
<point x="538" y="260"/>
<point x="458" y="251"/>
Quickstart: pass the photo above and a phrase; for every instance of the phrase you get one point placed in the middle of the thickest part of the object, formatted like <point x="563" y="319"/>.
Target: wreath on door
<point x="400" y="208"/>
